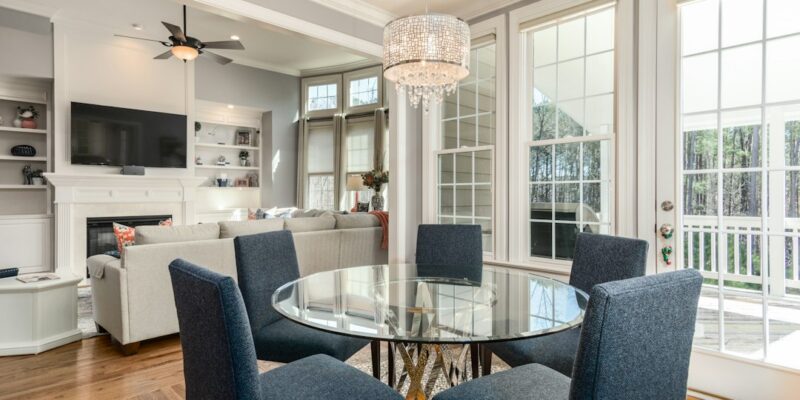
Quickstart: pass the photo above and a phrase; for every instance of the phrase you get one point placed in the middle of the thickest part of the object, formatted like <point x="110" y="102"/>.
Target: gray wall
<point x="270" y="91"/>
<point x="26" y="45"/>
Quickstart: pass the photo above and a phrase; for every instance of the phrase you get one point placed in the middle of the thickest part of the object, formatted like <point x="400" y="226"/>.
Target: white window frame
<point x="306" y="175"/>
<point x="322" y="80"/>
<point x="623" y="143"/>
<point x="431" y="146"/>
<point x="375" y="71"/>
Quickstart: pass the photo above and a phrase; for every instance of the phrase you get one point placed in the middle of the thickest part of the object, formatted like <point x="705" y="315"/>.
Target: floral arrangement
<point x="244" y="155"/>
<point x="375" y="179"/>
<point x="28" y="112"/>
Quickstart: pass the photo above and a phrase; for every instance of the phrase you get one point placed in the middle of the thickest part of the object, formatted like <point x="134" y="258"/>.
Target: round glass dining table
<point x="423" y="309"/>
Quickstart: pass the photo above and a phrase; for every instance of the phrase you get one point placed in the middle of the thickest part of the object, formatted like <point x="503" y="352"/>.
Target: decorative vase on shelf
<point x="28" y="123"/>
<point x="377" y="201"/>
<point x="243" y="162"/>
<point x="17" y="122"/>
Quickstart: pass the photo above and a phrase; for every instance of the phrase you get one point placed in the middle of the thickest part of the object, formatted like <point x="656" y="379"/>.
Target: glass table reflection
<point x="432" y="306"/>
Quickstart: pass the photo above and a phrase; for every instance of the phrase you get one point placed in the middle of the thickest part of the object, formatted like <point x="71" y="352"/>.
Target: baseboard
<point x="703" y="395"/>
<point x="36" y="347"/>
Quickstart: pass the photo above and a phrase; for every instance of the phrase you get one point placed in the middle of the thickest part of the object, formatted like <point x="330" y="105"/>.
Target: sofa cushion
<point x="357" y="220"/>
<point x="311" y="213"/>
<point x="180" y="233"/>
<point x="231" y="229"/>
<point x="325" y="222"/>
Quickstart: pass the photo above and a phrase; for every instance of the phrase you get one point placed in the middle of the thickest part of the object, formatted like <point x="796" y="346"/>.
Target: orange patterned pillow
<point x="125" y="236"/>
<point x="166" y="222"/>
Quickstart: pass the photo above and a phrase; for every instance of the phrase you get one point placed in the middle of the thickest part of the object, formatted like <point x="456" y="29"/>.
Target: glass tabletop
<point x="431" y="303"/>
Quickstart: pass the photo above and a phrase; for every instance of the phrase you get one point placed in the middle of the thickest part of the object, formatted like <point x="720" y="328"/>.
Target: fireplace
<point x="100" y="231"/>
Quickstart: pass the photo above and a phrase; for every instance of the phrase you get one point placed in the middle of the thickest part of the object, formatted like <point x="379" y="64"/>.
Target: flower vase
<point x="28" y="123"/>
<point x="377" y="202"/>
<point x="17" y="122"/>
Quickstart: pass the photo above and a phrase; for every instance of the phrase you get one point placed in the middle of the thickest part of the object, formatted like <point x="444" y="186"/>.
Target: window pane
<point x="450" y="106"/>
<point x="483" y="201"/>
<point x="783" y="69"/>
<point x="570" y="118"/>
<point x="320" y="192"/>
<point x="700" y="194"/>
<point x="741" y="138"/>
<point x="486" y="62"/>
<point x="466" y="133"/>
<point x="466" y="99"/>
<point x="570" y="39"/>
<point x="570" y="80"/>
<point x="600" y="73"/>
<point x="741" y="194"/>
<point x="464" y="201"/>
<point x="450" y="134"/>
<point x="446" y="196"/>
<point x="360" y="145"/>
<point x="600" y="31"/>
<point x="486" y="96"/>
<point x="699" y="83"/>
<point x="544" y="46"/>
<point x="567" y="161"/>
<point x="565" y="240"/>
<point x="600" y="115"/>
<point x="742" y="21"/>
<point x="699" y="26"/>
<point x="486" y="129"/>
<point x="741" y="76"/>
<point x="567" y="201"/>
<point x="782" y="17"/>
<point x="364" y="91"/>
<point x="464" y="168"/>
<point x="320" y="149"/>
<point x="446" y="168"/>
<point x="541" y="164"/>
<point x="483" y="166"/>
<point x="541" y="239"/>
<point x="322" y="97"/>
<point x="700" y="142"/>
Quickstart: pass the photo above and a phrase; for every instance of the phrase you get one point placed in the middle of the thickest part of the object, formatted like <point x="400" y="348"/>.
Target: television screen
<point x="103" y="135"/>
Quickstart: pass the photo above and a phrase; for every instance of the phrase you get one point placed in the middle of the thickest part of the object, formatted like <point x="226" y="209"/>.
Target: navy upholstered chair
<point x="219" y="359"/>
<point x="598" y="259"/>
<point x="264" y="262"/>
<point x="635" y="343"/>
<point x="440" y="247"/>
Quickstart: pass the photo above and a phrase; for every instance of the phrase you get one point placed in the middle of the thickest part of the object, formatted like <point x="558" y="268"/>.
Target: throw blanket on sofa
<point x="383" y="218"/>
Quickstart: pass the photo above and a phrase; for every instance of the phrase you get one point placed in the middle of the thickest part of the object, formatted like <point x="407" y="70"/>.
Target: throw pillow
<point x="125" y="236"/>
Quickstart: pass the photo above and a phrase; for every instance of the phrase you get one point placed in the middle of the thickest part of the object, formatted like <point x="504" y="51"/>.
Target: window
<point x="570" y="130"/>
<point x="320" y="167"/>
<point x="364" y="91"/>
<point x="740" y="140"/>
<point x="466" y="156"/>
<point x="360" y="153"/>
<point x="322" y="97"/>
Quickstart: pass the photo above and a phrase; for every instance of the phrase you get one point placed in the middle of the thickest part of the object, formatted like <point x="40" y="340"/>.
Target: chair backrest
<point x="603" y="258"/>
<point x="636" y="338"/>
<point x="219" y="358"/>
<point x="264" y="262"/>
<point x="457" y="245"/>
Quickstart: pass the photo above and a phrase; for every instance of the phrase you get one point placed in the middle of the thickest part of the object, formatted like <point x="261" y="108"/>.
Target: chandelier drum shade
<point x="426" y="56"/>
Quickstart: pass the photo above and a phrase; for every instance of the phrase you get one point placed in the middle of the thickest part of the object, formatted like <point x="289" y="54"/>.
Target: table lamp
<point x="355" y="184"/>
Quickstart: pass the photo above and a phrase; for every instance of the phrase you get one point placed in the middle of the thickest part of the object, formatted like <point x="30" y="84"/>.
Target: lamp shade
<point x="355" y="183"/>
<point x="185" y="53"/>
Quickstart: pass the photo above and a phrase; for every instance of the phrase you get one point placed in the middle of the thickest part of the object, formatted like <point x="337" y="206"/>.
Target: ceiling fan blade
<point x="218" y="58"/>
<point x="225" y="44"/>
<point x="163" y="56"/>
<point x="138" y="38"/>
<point x="175" y="30"/>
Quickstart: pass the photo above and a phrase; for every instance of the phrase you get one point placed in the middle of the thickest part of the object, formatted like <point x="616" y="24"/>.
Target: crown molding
<point x="360" y="9"/>
<point x="337" y="69"/>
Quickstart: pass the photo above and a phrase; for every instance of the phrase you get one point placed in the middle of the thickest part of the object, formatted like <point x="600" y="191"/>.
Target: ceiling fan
<point x="188" y="48"/>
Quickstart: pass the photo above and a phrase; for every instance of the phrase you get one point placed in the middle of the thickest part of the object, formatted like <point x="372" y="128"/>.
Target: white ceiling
<point x="382" y="11"/>
<point x="266" y="46"/>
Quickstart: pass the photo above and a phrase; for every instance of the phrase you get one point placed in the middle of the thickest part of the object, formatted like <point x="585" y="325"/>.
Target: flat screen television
<point x="103" y="135"/>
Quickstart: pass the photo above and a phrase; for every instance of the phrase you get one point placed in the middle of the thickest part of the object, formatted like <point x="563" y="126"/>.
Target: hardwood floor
<point x="95" y="369"/>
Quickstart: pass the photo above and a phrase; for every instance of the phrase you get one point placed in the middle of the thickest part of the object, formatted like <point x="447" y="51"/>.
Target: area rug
<point x="361" y="360"/>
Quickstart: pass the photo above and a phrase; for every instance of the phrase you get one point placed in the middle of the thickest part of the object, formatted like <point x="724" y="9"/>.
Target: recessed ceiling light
<point x="137" y="27"/>
<point x="234" y="37"/>
<point x="230" y="105"/>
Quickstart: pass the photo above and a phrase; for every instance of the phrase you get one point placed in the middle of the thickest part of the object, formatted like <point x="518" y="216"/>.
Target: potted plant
<point x="243" y="158"/>
<point x="374" y="180"/>
<point x="26" y="117"/>
<point x="37" y="178"/>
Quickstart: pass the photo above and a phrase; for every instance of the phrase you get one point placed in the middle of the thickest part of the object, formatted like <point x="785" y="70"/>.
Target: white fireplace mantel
<point x="81" y="196"/>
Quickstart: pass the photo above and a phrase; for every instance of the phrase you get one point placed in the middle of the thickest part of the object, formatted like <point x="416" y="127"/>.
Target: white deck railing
<point x="746" y="234"/>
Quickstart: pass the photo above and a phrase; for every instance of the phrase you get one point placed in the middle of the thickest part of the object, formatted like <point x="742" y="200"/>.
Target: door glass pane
<point x="741" y="76"/>
<point x="742" y="21"/>
<point x="741" y="138"/>
<point x="783" y="64"/>
<point x="699" y="83"/>
<point x="700" y="142"/>
<point x="699" y="26"/>
<point x="782" y="17"/>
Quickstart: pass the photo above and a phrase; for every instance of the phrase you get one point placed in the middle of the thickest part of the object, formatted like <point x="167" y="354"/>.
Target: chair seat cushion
<point x="530" y="382"/>
<point x="287" y="341"/>
<point x="322" y="377"/>
<point x="556" y="351"/>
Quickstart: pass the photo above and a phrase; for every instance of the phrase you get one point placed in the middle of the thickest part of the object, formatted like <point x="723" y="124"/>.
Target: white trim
<point x="646" y="126"/>
<point x="294" y="24"/>
<point x="623" y="186"/>
<point x="338" y="69"/>
<point x="375" y="71"/>
<point x="360" y="9"/>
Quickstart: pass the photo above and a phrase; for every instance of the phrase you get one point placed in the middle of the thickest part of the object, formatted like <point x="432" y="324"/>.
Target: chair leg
<point x="375" y="347"/>
<point x="474" y="352"/>
<point x="486" y="361"/>
<point x="390" y="368"/>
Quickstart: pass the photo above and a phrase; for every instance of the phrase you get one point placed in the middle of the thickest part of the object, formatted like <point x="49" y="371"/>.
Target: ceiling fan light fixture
<point x="185" y="53"/>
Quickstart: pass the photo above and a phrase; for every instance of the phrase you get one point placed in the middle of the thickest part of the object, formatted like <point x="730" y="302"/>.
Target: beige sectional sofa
<point x="132" y="296"/>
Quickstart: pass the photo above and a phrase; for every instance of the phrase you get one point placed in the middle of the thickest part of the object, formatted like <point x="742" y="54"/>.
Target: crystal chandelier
<point x="426" y="55"/>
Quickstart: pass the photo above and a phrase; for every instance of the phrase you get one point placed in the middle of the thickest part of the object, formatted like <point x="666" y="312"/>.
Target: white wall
<point x="26" y="46"/>
<point x="96" y="67"/>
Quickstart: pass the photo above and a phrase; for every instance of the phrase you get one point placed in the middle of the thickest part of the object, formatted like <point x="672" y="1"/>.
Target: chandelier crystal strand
<point x="426" y="56"/>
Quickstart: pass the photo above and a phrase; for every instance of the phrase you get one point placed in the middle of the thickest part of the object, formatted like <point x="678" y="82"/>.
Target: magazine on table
<point x="31" y="278"/>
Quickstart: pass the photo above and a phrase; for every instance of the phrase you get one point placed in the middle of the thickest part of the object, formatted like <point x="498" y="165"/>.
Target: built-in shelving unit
<point x="25" y="210"/>
<point x="222" y="131"/>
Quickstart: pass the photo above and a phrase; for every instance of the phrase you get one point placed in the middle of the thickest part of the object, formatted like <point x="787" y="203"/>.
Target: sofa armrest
<point x="151" y="304"/>
<point x="109" y="300"/>
<point x="97" y="264"/>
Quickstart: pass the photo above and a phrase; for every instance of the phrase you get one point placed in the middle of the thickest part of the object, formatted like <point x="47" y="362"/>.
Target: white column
<point x="63" y="238"/>
<point x="405" y="184"/>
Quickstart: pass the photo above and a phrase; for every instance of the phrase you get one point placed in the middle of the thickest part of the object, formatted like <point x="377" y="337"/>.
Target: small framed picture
<point x="243" y="138"/>
<point x="362" y="207"/>
<point x="241" y="182"/>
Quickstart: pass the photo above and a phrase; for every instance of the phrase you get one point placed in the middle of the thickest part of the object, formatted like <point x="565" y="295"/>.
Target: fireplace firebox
<point x="100" y="231"/>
